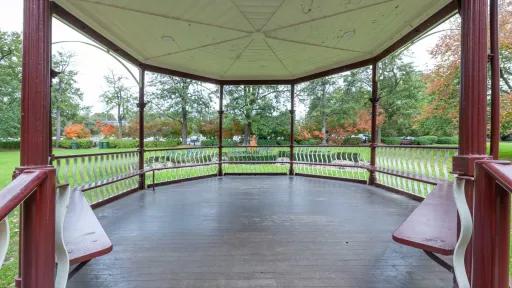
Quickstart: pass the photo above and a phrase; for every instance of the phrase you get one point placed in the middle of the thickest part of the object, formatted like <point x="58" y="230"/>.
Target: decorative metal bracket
<point x="374" y="100"/>
<point x="466" y="231"/>
<point x="142" y="105"/>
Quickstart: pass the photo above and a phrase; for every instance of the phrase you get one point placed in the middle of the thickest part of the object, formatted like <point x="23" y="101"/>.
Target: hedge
<point x="122" y="143"/>
<point x="448" y="140"/>
<point x="273" y="142"/>
<point x="134" y="143"/>
<point x="162" y="144"/>
<point x="391" y="140"/>
<point x="310" y="142"/>
<point x="352" y="141"/>
<point x="425" y="140"/>
<point x="82" y="143"/>
<point x="214" y="142"/>
<point x="9" y="144"/>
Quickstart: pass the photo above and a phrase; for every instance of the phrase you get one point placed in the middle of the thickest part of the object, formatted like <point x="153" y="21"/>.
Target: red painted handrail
<point x="491" y="213"/>
<point x="19" y="189"/>
<point x="501" y="171"/>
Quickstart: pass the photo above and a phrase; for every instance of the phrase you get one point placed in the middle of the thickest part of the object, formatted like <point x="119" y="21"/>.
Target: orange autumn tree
<point x="76" y="131"/>
<point x="364" y="121"/>
<point x="362" y="124"/>
<point x="107" y="130"/>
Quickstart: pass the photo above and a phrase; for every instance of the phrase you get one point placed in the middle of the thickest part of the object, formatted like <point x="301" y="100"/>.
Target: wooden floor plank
<point x="258" y="231"/>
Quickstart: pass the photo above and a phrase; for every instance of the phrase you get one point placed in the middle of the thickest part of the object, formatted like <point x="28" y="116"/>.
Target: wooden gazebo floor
<point x="259" y="231"/>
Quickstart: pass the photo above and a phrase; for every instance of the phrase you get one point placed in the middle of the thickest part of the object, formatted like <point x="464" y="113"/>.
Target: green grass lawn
<point x="9" y="159"/>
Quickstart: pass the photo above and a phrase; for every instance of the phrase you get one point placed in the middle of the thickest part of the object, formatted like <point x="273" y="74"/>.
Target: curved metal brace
<point x="106" y="51"/>
<point x="4" y="239"/>
<point x="61" y="253"/>
<point x="466" y="230"/>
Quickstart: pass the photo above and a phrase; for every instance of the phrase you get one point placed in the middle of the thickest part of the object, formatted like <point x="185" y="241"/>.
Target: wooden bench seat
<point x="432" y="226"/>
<point x="84" y="236"/>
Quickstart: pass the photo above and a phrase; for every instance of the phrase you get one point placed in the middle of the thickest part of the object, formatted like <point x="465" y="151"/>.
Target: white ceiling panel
<point x="252" y="39"/>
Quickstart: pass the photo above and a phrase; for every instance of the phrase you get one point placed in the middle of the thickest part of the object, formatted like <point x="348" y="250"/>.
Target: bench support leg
<point x="77" y="269"/>
<point x="439" y="261"/>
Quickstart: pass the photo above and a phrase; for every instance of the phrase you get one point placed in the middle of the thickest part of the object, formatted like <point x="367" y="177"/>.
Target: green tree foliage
<point x="179" y="99"/>
<point x="66" y="96"/>
<point x="335" y="104"/>
<point x="118" y="97"/>
<point x="402" y="95"/>
<point x="10" y="81"/>
<point x="320" y="99"/>
<point x="259" y="110"/>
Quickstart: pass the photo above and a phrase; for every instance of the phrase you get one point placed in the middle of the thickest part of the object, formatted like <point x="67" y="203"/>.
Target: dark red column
<point x="292" y="128"/>
<point x="221" y="118"/>
<point x="141" y="105"/>
<point x="373" y="146"/>
<point x="495" y="79"/>
<point x="35" y="89"/>
<point x="37" y="255"/>
<point x="473" y="102"/>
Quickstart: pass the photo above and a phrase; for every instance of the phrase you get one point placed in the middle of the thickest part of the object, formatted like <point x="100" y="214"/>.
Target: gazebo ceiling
<point x="253" y="39"/>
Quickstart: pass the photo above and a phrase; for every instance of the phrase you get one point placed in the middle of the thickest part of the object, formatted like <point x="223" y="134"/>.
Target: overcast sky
<point x="92" y="64"/>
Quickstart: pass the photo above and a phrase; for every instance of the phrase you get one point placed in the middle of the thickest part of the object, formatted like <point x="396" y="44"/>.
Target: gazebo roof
<point x="264" y="40"/>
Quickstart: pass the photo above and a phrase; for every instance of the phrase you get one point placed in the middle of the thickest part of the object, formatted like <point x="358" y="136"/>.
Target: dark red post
<point x="491" y="235"/>
<point x="495" y="79"/>
<point x="373" y="146"/>
<point x="37" y="255"/>
<point x="473" y="100"/>
<point x="141" y="105"/>
<point x="35" y="89"/>
<point x="292" y="128"/>
<point x="221" y="117"/>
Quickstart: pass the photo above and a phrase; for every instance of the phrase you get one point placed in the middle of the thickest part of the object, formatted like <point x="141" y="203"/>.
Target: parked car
<point x="407" y="140"/>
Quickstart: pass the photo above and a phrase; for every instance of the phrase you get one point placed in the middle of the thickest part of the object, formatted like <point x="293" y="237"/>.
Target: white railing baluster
<point x="4" y="239"/>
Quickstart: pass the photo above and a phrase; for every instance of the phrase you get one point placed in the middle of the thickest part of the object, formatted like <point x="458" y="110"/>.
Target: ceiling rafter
<point x="198" y="47"/>
<point x="164" y="16"/>
<point x="278" y="58"/>
<point x="314" y="45"/>
<point x="272" y="16"/>
<point x="329" y="16"/>
<point x="243" y="15"/>
<point x="237" y="57"/>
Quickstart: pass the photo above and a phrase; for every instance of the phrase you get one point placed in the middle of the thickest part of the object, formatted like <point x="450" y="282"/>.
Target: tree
<point x="77" y="131"/>
<point x="402" y="95"/>
<point x="66" y="96"/>
<point x="251" y="104"/>
<point x="179" y="99"/>
<point x="106" y="130"/>
<point x="443" y="81"/>
<point x="319" y="97"/>
<point x="118" y="97"/>
<point x="10" y="84"/>
<point x="441" y="113"/>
